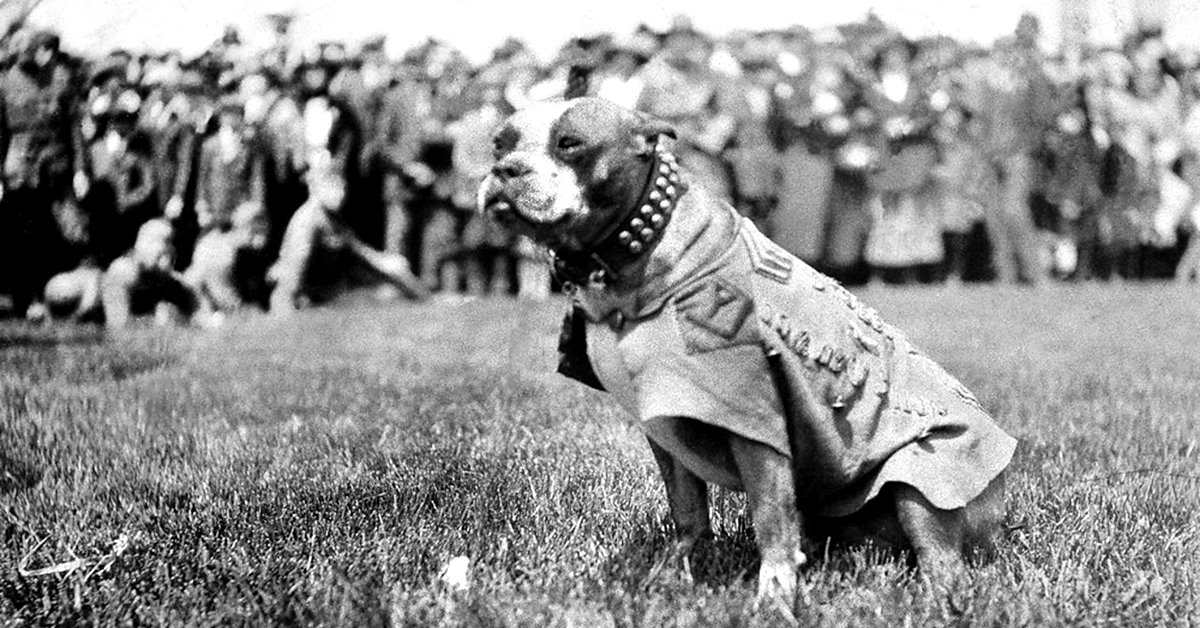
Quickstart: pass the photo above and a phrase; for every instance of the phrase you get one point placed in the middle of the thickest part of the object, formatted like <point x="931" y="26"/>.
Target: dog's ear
<point x="647" y="131"/>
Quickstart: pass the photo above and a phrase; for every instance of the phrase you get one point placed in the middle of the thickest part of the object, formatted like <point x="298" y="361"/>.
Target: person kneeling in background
<point x="143" y="282"/>
<point x="74" y="295"/>
<point x="229" y="267"/>
<point x="318" y="248"/>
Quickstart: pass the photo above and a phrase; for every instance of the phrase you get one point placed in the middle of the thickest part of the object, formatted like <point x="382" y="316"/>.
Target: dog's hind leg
<point x="983" y="519"/>
<point x="936" y="535"/>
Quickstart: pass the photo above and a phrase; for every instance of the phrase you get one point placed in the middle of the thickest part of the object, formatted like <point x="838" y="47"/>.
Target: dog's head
<point x="565" y="170"/>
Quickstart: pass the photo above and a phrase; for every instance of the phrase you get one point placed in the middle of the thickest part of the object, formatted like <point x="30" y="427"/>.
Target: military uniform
<point x="850" y="399"/>
<point x="692" y="100"/>
<point x="807" y="119"/>
<point x="363" y="92"/>
<point x="316" y="228"/>
<point x="278" y="141"/>
<point x="163" y="118"/>
<point x="483" y="251"/>
<point x="1012" y="101"/>
<point x="229" y="174"/>
<point x="437" y="222"/>
<point x="122" y="195"/>
<point x="753" y="159"/>
<point x="40" y="151"/>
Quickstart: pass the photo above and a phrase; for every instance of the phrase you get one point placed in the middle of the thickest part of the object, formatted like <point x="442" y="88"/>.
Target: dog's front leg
<point x="687" y="496"/>
<point x="769" y="483"/>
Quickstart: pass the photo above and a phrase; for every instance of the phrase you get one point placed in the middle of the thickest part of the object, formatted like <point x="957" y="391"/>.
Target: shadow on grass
<point x="17" y="474"/>
<point x="30" y="337"/>
<point x="645" y="562"/>
<point x="75" y="359"/>
<point x="731" y="559"/>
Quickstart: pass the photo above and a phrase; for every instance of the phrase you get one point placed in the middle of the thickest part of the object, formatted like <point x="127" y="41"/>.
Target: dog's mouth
<point x="501" y="206"/>
<point x="508" y="213"/>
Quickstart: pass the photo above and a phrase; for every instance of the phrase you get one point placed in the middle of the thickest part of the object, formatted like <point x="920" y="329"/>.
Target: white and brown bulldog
<point x="745" y="367"/>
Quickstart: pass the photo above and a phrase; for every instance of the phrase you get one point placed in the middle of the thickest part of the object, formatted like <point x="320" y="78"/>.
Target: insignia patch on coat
<point x="712" y="315"/>
<point x="769" y="259"/>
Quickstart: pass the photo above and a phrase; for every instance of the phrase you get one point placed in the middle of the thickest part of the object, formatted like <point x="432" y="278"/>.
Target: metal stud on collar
<point x="652" y="215"/>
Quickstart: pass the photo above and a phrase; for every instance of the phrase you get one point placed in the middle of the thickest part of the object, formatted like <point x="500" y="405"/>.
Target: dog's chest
<point x="610" y="366"/>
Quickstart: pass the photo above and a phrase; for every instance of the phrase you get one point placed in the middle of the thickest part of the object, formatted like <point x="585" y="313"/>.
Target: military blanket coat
<point x="758" y="343"/>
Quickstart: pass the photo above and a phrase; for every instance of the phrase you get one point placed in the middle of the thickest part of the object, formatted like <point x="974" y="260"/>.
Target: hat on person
<point x="112" y="66"/>
<point x="230" y="103"/>
<point x="44" y="38"/>
<point x="231" y="36"/>
<point x="641" y="44"/>
<point x="376" y="43"/>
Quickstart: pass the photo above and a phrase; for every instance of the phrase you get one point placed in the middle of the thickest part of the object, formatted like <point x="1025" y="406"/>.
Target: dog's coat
<point x="868" y="407"/>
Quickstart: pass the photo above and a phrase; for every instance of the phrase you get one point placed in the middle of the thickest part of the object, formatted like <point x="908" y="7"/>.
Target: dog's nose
<point x="512" y="167"/>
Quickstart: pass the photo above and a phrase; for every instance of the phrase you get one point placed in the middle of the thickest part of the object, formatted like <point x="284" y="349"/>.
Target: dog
<point x="745" y="367"/>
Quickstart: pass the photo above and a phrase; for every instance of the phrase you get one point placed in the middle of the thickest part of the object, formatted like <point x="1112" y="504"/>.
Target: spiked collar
<point x="634" y="235"/>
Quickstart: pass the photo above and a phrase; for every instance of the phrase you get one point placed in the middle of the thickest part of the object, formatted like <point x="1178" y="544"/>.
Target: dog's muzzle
<point x="516" y="192"/>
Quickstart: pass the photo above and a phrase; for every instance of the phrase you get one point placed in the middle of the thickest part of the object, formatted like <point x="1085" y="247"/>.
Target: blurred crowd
<point x="149" y="184"/>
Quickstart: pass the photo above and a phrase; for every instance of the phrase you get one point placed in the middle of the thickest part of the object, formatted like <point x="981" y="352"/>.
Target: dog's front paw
<point x="778" y="577"/>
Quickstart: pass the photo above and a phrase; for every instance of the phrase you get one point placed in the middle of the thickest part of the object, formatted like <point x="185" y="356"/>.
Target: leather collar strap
<point x="636" y="234"/>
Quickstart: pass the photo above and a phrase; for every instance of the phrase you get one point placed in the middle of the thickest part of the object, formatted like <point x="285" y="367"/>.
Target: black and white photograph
<point x="613" y="314"/>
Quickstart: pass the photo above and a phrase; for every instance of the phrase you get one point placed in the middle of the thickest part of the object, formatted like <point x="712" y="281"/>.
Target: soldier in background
<point x="360" y="83"/>
<point x="904" y="240"/>
<point x="41" y="153"/>
<point x="484" y="256"/>
<point x="961" y="187"/>
<point x="682" y="89"/>
<point x="229" y="258"/>
<point x="320" y="249"/>
<point x="752" y="154"/>
<point x="193" y="119"/>
<point x="1071" y="182"/>
<point x="122" y="193"/>
<point x="1013" y="102"/>
<point x="619" y="77"/>
<point x="810" y="120"/>
<point x="228" y="269"/>
<point x="273" y="118"/>
<point x="164" y="110"/>
<point x="437" y="224"/>
<point x="391" y="113"/>
<point x="229" y="173"/>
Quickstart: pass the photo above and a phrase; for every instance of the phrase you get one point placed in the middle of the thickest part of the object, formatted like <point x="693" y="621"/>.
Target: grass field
<point x="325" y="470"/>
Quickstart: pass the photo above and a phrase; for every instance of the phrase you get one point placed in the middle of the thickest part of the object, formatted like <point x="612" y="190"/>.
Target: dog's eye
<point x="567" y="143"/>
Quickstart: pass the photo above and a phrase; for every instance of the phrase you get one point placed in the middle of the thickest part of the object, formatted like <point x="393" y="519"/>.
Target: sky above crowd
<point x="477" y="26"/>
